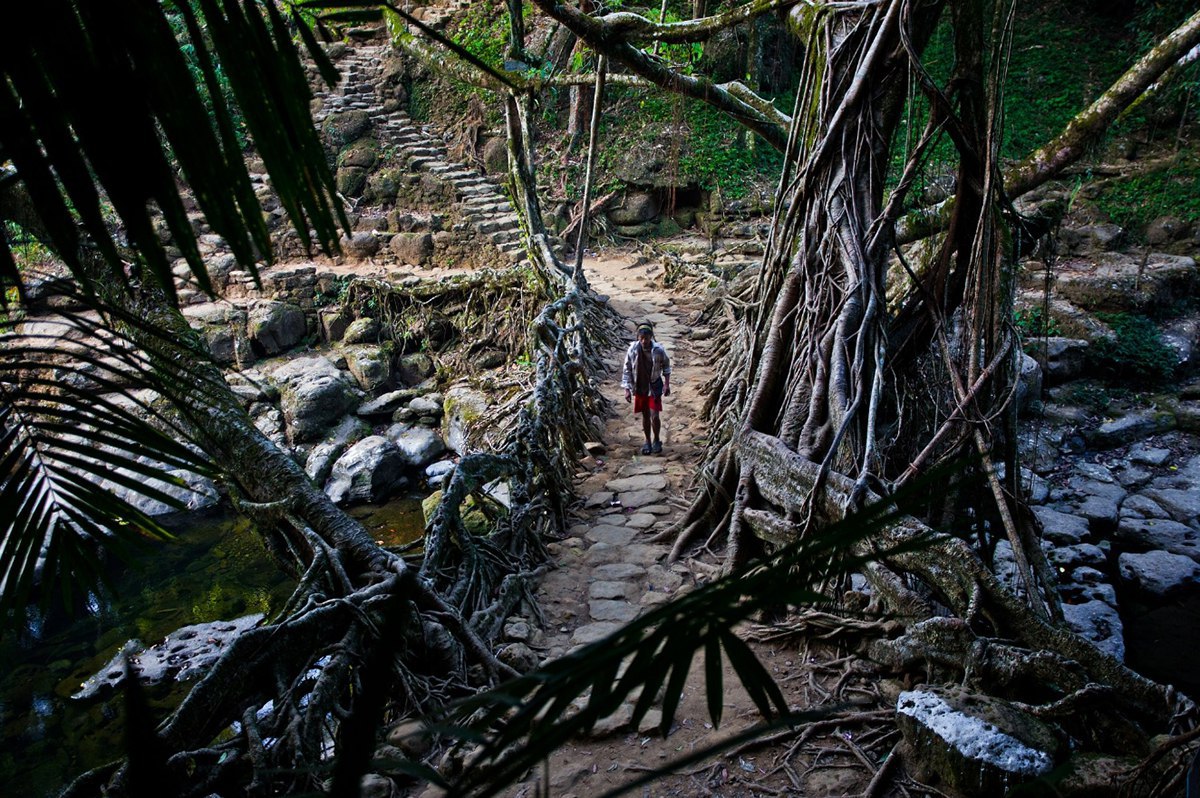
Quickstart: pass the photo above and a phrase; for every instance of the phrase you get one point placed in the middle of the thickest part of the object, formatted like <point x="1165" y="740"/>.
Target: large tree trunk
<point x="826" y="356"/>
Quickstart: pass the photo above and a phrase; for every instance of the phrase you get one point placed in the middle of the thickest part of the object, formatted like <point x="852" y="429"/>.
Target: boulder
<point x="975" y="744"/>
<point x="1148" y="534"/>
<point x="360" y="245"/>
<point x="1089" y="239"/>
<point x="1100" y="623"/>
<point x="419" y="446"/>
<point x="1029" y="383"/>
<point x="636" y="208"/>
<point x="1164" y="230"/>
<point x="223" y="327"/>
<point x="363" y="153"/>
<point x="1133" y="426"/>
<point x="415" y="249"/>
<point x="191" y="490"/>
<point x="519" y="657"/>
<point x="370" y="471"/>
<point x="320" y="460"/>
<point x="362" y="331"/>
<point x="1139" y="506"/>
<point x="1159" y="575"/>
<point x="463" y="407"/>
<point x="415" y="368"/>
<point x="1061" y="359"/>
<point x="1181" y="504"/>
<point x="342" y="128"/>
<point x="1062" y="528"/>
<point x="1123" y="282"/>
<point x="495" y="156"/>
<point x="313" y="395"/>
<point x="1182" y="336"/>
<point x="370" y="365"/>
<point x="275" y="327"/>
<point x="435" y="472"/>
<point x="351" y="180"/>
<point x="386" y="404"/>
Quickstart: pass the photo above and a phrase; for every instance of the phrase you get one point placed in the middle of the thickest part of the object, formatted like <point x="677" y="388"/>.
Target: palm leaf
<point x="76" y="61"/>
<point x="525" y="719"/>
<point x="63" y="447"/>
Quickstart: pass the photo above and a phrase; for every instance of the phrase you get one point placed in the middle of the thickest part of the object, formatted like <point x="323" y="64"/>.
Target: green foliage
<point x="1035" y="323"/>
<point x="1051" y="79"/>
<point x="1135" y="352"/>
<point x="188" y="49"/>
<point x="484" y="35"/>
<point x="1136" y="201"/>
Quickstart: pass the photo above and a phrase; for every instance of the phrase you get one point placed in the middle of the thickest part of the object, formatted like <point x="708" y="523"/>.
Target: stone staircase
<point x="484" y="205"/>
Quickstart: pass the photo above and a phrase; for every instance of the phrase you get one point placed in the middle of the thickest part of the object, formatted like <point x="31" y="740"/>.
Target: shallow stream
<point x="216" y="569"/>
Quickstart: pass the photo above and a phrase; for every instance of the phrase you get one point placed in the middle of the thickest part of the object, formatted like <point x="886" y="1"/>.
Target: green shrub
<point x="1136" y="201"/>
<point x="1135" y="352"/>
<point x="1035" y="323"/>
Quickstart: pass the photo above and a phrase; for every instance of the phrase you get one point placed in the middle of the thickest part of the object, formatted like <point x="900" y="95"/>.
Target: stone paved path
<point x="609" y="570"/>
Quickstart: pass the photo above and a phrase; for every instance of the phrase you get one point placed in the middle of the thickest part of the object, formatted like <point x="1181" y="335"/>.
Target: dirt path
<point x="609" y="572"/>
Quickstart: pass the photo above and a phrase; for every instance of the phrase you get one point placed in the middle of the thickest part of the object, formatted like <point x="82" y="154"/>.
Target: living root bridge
<point x="958" y="579"/>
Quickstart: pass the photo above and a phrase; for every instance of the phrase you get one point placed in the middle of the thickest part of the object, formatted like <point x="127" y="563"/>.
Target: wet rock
<point x="362" y="331"/>
<point x="1062" y="528"/>
<point x="370" y="365"/>
<point x="313" y="395"/>
<point x="976" y="744"/>
<point x="1159" y="575"/>
<point x="1133" y="426"/>
<point x="519" y="657"/>
<point x="370" y="471"/>
<point x="418" y="446"/>
<point x="436" y="472"/>
<point x="1183" y="505"/>
<point x="320" y="460"/>
<point x="186" y="653"/>
<point x="1061" y="359"/>
<point x="1146" y="534"/>
<point x="1100" y="623"/>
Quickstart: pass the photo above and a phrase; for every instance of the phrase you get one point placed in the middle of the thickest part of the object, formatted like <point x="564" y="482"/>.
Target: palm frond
<point x="519" y="723"/>
<point x="79" y="431"/>
<point x="75" y="62"/>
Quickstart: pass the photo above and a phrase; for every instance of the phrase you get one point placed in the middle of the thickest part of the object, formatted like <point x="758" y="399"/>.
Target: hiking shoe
<point x="657" y="447"/>
<point x="646" y="448"/>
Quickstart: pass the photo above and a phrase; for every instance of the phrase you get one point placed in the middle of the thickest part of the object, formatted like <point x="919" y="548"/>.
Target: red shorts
<point x="651" y="402"/>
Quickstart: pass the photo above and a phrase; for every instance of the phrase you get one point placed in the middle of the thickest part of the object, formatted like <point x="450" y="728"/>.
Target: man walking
<point x="646" y="379"/>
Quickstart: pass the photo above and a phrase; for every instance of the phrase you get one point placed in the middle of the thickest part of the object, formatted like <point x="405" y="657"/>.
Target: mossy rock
<point x="364" y="153"/>
<point x="351" y="180"/>
<point x="474" y="520"/>
<point x="341" y="129"/>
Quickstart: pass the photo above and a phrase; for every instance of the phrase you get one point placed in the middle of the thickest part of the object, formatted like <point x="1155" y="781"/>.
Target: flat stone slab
<point x="601" y="498"/>
<point x="611" y="590"/>
<point x="657" y="509"/>
<point x="613" y="535"/>
<point x="640" y="521"/>
<point x="619" y="570"/>
<point x="640" y="498"/>
<point x="605" y="554"/>
<point x="638" y="483"/>
<point x="641" y="552"/>
<point x="637" y="469"/>
<point x="609" y="610"/>
<point x="593" y="632"/>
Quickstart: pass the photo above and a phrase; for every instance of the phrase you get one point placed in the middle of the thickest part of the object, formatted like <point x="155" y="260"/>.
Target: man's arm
<point x="627" y="375"/>
<point x="666" y="371"/>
